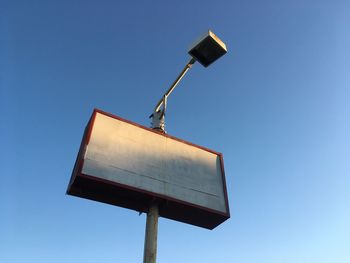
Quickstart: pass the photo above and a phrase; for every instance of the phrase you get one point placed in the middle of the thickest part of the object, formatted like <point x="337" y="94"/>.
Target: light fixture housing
<point x="208" y="49"/>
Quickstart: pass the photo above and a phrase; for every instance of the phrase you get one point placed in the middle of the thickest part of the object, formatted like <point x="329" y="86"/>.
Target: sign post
<point x="128" y="165"/>
<point x="151" y="233"/>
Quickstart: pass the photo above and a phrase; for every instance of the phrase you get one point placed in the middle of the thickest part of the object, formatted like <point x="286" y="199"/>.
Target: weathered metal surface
<point x="144" y="164"/>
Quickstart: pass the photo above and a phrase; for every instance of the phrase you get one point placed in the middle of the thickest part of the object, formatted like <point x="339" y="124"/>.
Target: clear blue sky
<point x="277" y="106"/>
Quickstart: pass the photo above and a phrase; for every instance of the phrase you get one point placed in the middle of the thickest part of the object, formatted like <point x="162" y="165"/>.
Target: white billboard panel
<point x="140" y="159"/>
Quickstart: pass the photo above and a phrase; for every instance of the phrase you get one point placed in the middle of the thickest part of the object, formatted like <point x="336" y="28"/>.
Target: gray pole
<point x="173" y="86"/>
<point x="158" y="115"/>
<point x="150" y="249"/>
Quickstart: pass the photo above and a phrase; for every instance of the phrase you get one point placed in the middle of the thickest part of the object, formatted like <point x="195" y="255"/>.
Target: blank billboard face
<point x="128" y="165"/>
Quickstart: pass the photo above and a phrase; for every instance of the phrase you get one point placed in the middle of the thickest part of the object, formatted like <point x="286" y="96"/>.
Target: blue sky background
<point x="277" y="106"/>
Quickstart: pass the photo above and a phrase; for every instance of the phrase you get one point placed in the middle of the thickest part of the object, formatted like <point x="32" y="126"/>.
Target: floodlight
<point x="208" y="49"/>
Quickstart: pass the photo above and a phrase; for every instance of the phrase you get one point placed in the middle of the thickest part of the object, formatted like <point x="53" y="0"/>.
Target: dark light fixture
<point x="208" y="49"/>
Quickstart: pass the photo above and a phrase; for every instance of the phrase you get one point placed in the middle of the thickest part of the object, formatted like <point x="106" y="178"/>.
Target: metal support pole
<point x="151" y="233"/>
<point x="172" y="87"/>
<point x="158" y="115"/>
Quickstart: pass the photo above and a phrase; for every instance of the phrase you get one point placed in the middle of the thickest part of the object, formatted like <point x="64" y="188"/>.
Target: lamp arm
<point x="173" y="86"/>
<point x="158" y="115"/>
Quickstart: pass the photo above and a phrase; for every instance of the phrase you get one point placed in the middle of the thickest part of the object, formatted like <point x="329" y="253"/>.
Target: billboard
<point x="128" y="165"/>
